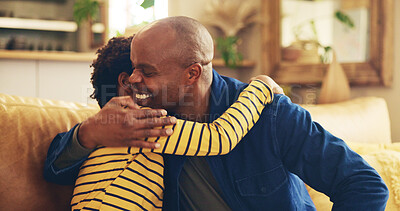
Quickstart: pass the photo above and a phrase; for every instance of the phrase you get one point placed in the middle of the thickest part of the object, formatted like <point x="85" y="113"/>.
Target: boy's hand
<point x="271" y="83"/>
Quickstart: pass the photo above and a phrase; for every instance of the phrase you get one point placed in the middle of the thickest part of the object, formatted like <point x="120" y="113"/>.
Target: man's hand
<point x="271" y="83"/>
<point x="121" y="122"/>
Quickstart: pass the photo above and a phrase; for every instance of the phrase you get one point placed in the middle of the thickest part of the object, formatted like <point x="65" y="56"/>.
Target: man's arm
<point x="111" y="126"/>
<point x="73" y="152"/>
<point x="52" y="172"/>
<point x="325" y="162"/>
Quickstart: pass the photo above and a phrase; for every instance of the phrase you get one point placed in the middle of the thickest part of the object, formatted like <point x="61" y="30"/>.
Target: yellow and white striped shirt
<point x="128" y="178"/>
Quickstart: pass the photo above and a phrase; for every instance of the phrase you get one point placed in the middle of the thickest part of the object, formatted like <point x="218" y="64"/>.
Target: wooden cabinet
<point x="18" y="77"/>
<point x="49" y="79"/>
<point x="48" y="25"/>
<point x="38" y="25"/>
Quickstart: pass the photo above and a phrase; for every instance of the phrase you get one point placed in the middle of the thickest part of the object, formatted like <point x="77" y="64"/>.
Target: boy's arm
<point x="189" y="138"/>
<point x="222" y="135"/>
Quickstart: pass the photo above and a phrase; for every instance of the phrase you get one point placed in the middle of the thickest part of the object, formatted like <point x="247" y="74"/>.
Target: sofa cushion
<point x="385" y="158"/>
<point x="28" y="126"/>
<point x="363" y="120"/>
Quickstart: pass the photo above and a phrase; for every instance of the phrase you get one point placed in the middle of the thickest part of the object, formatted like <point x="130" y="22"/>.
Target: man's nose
<point x="135" y="77"/>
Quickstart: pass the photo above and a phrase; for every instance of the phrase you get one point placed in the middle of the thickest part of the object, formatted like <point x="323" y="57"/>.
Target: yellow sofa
<point x="29" y="124"/>
<point x="27" y="127"/>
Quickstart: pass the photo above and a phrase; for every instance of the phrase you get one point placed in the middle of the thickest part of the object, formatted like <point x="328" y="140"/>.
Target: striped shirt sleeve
<point x="222" y="135"/>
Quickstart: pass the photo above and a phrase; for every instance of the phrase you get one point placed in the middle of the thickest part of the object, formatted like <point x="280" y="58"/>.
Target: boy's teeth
<point x="142" y="96"/>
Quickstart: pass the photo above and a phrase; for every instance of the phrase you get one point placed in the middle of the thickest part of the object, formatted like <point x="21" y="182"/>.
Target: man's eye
<point x="146" y="73"/>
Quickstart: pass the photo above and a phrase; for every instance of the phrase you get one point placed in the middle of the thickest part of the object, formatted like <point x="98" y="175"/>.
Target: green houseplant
<point x="230" y="17"/>
<point x="85" y="10"/>
<point x="227" y="46"/>
<point x="327" y="50"/>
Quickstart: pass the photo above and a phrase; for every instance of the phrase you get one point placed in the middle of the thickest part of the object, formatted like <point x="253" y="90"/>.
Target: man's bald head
<point x="173" y="70"/>
<point x="189" y="41"/>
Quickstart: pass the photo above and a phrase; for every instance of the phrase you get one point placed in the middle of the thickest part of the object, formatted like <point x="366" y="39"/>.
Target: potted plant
<point x="230" y="17"/>
<point x="85" y="10"/>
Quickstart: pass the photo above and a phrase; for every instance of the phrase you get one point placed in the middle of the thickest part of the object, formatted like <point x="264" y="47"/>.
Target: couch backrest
<point x="363" y="120"/>
<point x="28" y="126"/>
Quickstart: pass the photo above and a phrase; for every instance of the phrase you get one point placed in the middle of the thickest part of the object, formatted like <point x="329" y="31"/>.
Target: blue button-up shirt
<point x="268" y="168"/>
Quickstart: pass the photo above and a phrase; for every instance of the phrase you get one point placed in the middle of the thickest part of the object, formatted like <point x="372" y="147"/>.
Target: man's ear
<point x="193" y="73"/>
<point x="123" y="84"/>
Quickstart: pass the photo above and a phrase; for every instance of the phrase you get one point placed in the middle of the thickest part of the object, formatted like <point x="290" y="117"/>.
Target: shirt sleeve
<point x="325" y="162"/>
<point x="52" y="173"/>
<point x="72" y="153"/>
<point x="222" y="135"/>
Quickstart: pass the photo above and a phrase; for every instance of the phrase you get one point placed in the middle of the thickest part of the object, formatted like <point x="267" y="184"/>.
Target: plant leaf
<point x="147" y="3"/>
<point x="227" y="46"/>
<point x="344" y="18"/>
<point x="85" y="9"/>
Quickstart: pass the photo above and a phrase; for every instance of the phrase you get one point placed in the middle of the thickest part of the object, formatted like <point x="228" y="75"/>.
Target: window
<point x="127" y="16"/>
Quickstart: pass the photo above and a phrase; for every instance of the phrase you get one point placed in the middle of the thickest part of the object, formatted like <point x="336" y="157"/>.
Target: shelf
<point x="245" y="63"/>
<point x="36" y="24"/>
<point x="48" y="55"/>
<point x="85" y="57"/>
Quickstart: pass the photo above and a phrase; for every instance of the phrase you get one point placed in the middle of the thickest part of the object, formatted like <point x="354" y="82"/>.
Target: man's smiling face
<point x="157" y="78"/>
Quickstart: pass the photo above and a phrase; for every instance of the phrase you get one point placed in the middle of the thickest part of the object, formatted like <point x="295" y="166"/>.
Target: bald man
<point x="267" y="170"/>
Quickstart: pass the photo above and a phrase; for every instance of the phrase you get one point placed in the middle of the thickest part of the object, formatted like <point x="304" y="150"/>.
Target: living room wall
<point x="391" y="94"/>
<point x="251" y="49"/>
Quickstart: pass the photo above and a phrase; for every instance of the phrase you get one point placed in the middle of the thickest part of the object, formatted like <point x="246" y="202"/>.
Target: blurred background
<point x="47" y="46"/>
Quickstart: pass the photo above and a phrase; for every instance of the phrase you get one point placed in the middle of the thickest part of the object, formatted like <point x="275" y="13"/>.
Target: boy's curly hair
<point x="112" y="59"/>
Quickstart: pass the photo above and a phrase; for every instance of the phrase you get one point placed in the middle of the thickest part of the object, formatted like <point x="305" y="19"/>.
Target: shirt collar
<point x="224" y="91"/>
<point x="220" y="96"/>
